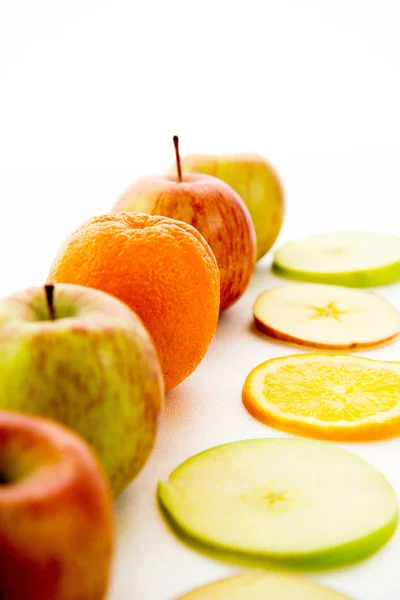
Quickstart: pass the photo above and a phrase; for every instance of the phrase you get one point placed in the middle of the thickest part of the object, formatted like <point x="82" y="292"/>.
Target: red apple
<point x="256" y="182"/>
<point x="56" y="528"/>
<point x="214" y="209"/>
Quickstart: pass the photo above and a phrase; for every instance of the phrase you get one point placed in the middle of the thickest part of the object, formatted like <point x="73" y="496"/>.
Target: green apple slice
<point x="260" y="586"/>
<point x="352" y="259"/>
<point x="303" y="502"/>
<point x="326" y="316"/>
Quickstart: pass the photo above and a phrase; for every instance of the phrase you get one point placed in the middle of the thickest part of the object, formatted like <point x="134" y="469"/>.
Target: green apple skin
<point x="56" y="520"/>
<point x="215" y="210"/>
<point x="356" y="279"/>
<point x="253" y="178"/>
<point x="94" y="368"/>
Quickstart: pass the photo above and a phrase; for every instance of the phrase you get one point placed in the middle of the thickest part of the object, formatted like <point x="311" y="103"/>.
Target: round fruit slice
<point x="299" y="501"/>
<point x="257" y="586"/>
<point x="332" y="397"/>
<point x="326" y="316"/>
<point x="352" y="259"/>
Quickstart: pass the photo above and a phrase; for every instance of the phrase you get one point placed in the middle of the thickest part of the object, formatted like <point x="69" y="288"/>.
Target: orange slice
<point x="327" y="396"/>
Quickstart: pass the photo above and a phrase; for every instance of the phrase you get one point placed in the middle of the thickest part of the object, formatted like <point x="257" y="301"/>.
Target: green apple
<point x="85" y="359"/>
<point x="56" y="523"/>
<point x="353" y="259"/>
<point x="300" y="502"/>
<point x="261" y="586"/>
<point x="253" y="178"/>
<point x="214" y="209"/>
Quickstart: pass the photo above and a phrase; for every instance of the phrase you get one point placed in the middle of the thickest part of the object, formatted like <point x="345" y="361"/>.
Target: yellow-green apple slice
<point x="263" y="586"/>
<point x="326" y="316"/>
<point x="353" y="259"/>
<point x="302" y="502"/>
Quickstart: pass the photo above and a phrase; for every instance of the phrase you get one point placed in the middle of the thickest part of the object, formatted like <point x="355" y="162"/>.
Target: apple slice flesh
<point x="259" y="586"/>
<point x="306" y="503"/>
<point x="326" y="316"/>
<point x="355" y="259"/>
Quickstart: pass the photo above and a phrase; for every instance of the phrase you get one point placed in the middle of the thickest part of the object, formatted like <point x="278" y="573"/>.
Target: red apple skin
<point x="56" y="525"/>
<point x="215" y="210"/>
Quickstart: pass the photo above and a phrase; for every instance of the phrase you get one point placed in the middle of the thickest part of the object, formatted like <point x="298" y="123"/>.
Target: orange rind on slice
<point x="333" y="397"/>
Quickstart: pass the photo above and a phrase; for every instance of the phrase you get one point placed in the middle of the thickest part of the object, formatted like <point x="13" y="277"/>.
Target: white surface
<point x="91" y="92"/>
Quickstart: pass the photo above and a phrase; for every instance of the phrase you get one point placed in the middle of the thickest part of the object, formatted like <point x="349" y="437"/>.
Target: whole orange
<point x="162" y="268"/>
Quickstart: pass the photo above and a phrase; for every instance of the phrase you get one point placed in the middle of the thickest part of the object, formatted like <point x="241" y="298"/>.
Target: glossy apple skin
<point x="215" y="210"/>
<point x="254" y="179"/>
<point x="94" y="368"/>
<point x="56" y="524"/>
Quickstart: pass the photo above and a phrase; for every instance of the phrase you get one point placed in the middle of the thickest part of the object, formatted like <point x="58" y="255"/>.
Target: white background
<point x="91" y="92"/>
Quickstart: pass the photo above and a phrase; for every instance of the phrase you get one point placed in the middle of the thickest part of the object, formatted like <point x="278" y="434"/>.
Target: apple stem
<point x="4" y="480"/>
<point x="178" y="158"/>
<point x="49" y="289"/>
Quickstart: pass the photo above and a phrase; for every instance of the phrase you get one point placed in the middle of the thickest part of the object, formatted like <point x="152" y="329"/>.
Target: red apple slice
<point x="326" y="316"/>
